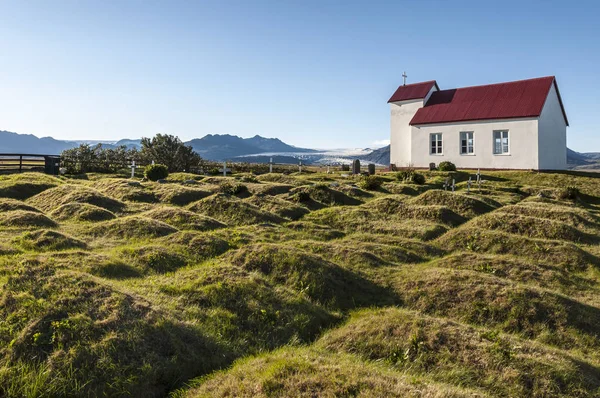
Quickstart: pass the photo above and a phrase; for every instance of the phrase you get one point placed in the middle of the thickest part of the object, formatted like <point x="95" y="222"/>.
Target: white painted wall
<point x="402" y="113"/>
<point x="523" y="144"/>
<point x="552" y="135"/>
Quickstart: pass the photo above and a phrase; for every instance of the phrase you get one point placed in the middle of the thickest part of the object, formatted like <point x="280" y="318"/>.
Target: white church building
<point x="513" y="125"/>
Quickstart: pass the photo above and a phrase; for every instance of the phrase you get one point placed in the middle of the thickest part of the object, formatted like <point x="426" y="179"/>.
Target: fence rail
<point x="18" y="162"/>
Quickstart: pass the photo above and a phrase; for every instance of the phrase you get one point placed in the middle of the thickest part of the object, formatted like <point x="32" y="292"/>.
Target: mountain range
<point x="219" y="147"/>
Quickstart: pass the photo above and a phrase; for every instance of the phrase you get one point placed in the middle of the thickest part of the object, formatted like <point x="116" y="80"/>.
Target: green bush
<point x="369" y="183"/>
<point x="155" y="172"/>
<point x="446" y="166"/>
<point x="410" y="176"/>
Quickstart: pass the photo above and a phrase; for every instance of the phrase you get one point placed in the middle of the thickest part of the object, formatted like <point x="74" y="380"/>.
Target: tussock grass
<point x="457" y="354"/>
<point x="282" y="208"/>
<point x="81" y="212"/>
<point x="131" y="227"/>
<point x="47" y="240"/>
<point x="183" y="219"/>
<point x="25" y="219"/>
<point x="321" y="280"/>
<point x="12" y="204"/>
<point x="304" y="372"/>
<point x="466" y="206"/>
<point x="70" y="193"/>
<point x="125" y="190"/>
<point x="25" y="185"/>
<point x="495" y="242"/>
<point x="234" y="211"/>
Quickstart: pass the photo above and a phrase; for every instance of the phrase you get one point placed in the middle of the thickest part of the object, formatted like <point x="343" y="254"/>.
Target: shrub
<point x="570" y="193"/>
<point x="155" y="172"/>
<point x="446" y="166"/>
<point x="410" y="176"/>
<point x="369" y="183"/>
<point x="233" y="188"/>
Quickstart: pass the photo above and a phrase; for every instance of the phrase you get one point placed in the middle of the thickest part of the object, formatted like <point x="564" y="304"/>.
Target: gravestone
<point x="345" y="167"/>
<point x="371" y="168"/>
<point x="432" y="166"/>
<point x="356" y="166"/>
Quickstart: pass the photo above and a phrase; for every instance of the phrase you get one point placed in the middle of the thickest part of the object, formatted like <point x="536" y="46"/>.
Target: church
<point x="513" y="125"/>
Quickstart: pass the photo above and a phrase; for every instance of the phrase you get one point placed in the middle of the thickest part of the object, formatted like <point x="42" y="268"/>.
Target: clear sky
<point x="313" y="73"/>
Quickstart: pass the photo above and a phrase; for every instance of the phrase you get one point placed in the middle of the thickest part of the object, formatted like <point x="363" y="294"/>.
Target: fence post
<point x="20" y="163"/>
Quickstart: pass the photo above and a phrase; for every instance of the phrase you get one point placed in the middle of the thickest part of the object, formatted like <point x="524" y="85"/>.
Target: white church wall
<point x="523" y="144"/>
<point x="552" y="136"/>
<point x="400" y="139"/>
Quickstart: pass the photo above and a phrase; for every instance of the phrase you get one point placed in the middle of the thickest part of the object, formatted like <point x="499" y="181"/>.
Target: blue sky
<point x="313" y="73"/>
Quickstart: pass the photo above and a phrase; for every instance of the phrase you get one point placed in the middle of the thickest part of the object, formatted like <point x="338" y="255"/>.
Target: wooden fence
<point x="19" y="162"/>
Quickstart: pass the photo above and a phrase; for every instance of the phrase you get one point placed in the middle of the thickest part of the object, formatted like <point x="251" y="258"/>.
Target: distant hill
<point x="378" y="156"/>
<point x="27" y="143"/>
<point x="225" y="146"/>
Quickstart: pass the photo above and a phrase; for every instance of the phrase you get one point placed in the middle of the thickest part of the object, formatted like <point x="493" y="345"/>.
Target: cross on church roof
<point x="404" y="76"/>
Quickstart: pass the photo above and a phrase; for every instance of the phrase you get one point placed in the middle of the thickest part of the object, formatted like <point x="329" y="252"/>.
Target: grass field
<point x="300" y="285"/>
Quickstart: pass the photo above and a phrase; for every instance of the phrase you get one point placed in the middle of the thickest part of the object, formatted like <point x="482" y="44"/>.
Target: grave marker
<point x="225" y="170"/>
<point x="356" y="166"/>
<point x="371" y="168"/>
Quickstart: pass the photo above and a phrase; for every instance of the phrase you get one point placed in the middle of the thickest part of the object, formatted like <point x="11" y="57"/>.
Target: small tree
<point x="446" y="166"/>
<point x="170" y="151"/>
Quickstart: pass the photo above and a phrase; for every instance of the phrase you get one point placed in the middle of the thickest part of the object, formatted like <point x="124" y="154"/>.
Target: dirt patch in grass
<point x="478" y="240"/>
<point x="131" y="227"/>
<point x="466" y="206"/>
<point x="321" y="280"/>
<point x="25" y="219"/>
<point x="183" y="219"/>
<point x="47" y="240"/>
<point x="82" y="212"/>
<point x="461" y="355"/>
<point x="234" y="211"/>
<point x="282" y="208"/>
<point x="70" y="193"/>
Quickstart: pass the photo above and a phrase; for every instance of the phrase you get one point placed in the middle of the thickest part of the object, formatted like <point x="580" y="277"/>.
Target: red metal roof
<point x="413" y="91"/>
<point x="519" y="99"/>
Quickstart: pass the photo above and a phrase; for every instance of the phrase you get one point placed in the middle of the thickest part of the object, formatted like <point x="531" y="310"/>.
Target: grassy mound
<point x="231" y="210"/>
<point x="123" y="189"/>
<point x="360" y="256"/>
<point x="421" y="249"/>
<point x="517" y="269"/>
<point x="531" y="227"/>
<point x="279" y="178"/>
<point x="315" y="231"/>
<point x="573" y="216"/>
<point x="81" y="212"/>
<point x="322" y="194"/>
<point x="481" y="299"/>
<point x="64" y="334"/>
<point x="183" y="219"/>
<point x="198" y="246"/>
<point x="267" y="317"/>
<point x="25" y="219"/>
<point x="321" y="280"/>
<point x="495" y="242"/>
<point x="25" y="185"/>
<point x="303" y="372"/>
<point x="282" y="208"/>
<point x="12" y="204"/>
<point x="466" y="206"/>
<point x="131" y="227"/>
<point x="70" y="193"/>
<point x="179" y="195"/>
<point x="269" y="189"/>
<point x="460" y="355"/>
<point x="155" y="258"/>
<point x="46" y="240"/>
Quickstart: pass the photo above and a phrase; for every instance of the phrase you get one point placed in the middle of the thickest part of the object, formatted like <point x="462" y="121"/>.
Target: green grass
<point x="300" y="285"/>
